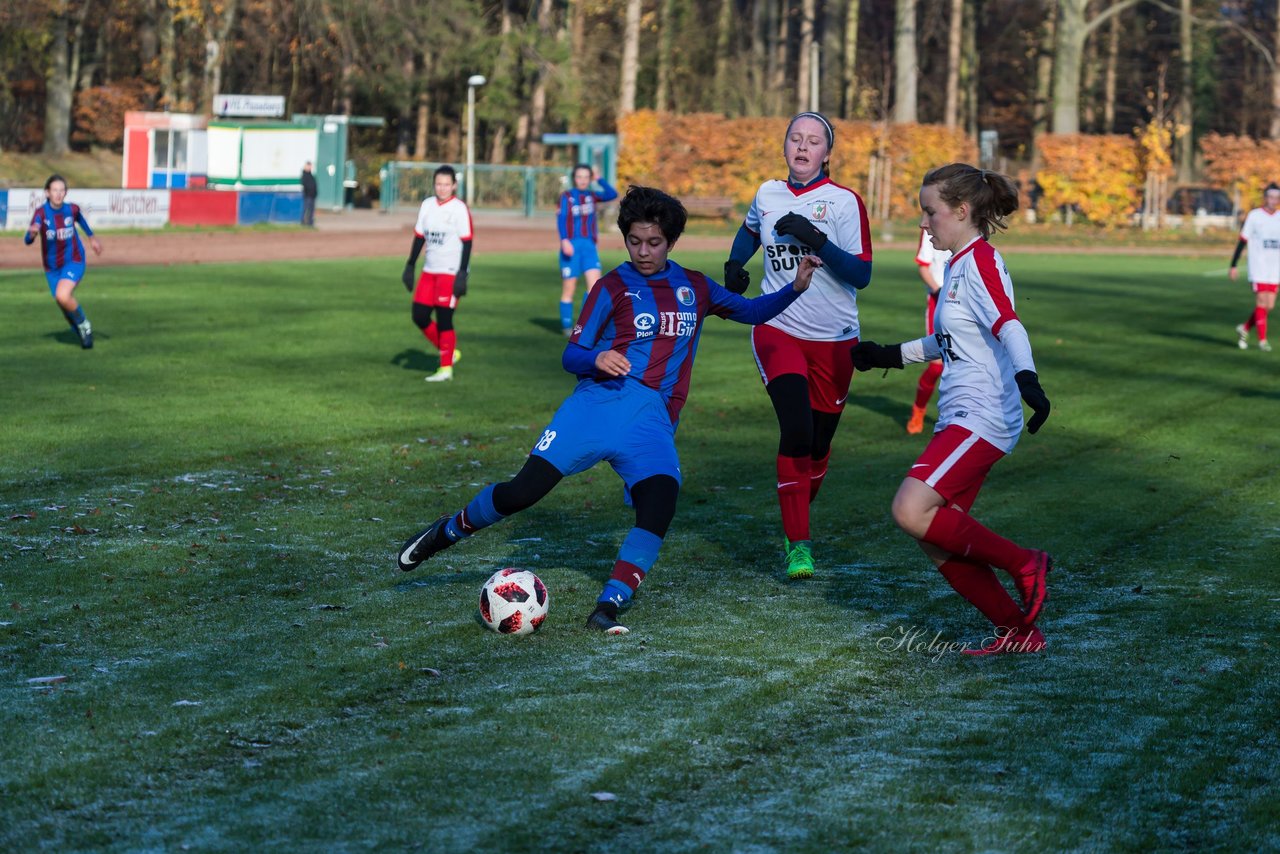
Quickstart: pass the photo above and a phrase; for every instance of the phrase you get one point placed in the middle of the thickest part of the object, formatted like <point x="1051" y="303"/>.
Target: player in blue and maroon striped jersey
<point x="577" y="221"/>
<point x="632" y="352"/>
<point x="62" y="252"/>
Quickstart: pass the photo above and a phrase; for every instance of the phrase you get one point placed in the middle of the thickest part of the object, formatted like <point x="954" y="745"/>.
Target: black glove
<point x="736" y="278"/>
<point x="1029" y="388"/>
<point x="868" y="354"/>
<point x="460" y="284"/>
<point x="407" y="277"/>
<point x="801" y="229"/>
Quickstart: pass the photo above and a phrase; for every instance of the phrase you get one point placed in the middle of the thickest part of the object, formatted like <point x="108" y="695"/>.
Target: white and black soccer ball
<point x="513" y="602"/>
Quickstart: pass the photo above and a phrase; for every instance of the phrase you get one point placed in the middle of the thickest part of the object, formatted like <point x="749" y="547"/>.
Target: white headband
<point x="831" y="134"/>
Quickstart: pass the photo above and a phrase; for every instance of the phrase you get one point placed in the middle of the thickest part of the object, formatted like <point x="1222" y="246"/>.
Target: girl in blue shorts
<point x="577" y="221"/>
<point x="632" y="351"/>
<point x="55" y="224"/>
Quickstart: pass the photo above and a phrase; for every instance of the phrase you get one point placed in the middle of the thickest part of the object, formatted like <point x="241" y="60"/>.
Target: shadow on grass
<point x="415" y="360"/>
<point x="549" y="324"/>
<point x="1225" y="341"/>
<point x="899" y="409"/>
<point x="68" y="336"/>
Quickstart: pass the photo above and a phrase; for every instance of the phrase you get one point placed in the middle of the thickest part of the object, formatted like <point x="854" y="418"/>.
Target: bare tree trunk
<point x="722" y="87"/>
<point x="666" y="27"/>
<point x="849" y="74"/>
<point x="969" y="69"/>
<point x="216" y="31"/>
<point x="1109" y="77"/>
<point x="168" y="54"/>
<point x="1186" y="103"/>
<point x="1073" y="28"/>
<point x="780" y="33"/>
<point x="538" y="101"/>
<point x="808" y="12"/>
<point x="1089" y="71"/>
<point x="953" y="63"/>
<point x="404" y="129"/>
<point x="630" y="59"/>
<point x="905" y="65"/>
<point x="1044" y="80"/>
<point x="57" y="110"/>
<point x="424" y="124"/>
<point x="1275" y="80"/>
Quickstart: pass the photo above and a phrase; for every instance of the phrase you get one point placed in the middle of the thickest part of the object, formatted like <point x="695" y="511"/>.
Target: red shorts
<point x="954" y="464"/>
<point x="1265" y="289"/>
<point x="436" y="289"/>
<point x="825" y="364"/>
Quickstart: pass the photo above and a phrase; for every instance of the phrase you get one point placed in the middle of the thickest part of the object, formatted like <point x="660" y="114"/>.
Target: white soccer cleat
<point x="1242" y="340"/>
<point x="441" y="375"/>
<point x="1264" y="346"/>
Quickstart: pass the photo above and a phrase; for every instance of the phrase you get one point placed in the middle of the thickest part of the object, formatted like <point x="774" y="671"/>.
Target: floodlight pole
<point x="472" y="82"/>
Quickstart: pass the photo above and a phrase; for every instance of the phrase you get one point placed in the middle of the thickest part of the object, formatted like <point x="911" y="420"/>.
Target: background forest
<point x="1022" y="68"/>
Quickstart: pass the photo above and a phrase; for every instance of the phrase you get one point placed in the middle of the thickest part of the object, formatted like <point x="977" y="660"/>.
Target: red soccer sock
<point x="979" y="585"/>
<point x="432" y="335"/>
<point x="928" y="382"/>
<point x="1260" y="321"/>
<point x="966" y="537"/>
<point x="817" y="473"/>
<point x="447" y="342"/>
<point x="793" y="496"/>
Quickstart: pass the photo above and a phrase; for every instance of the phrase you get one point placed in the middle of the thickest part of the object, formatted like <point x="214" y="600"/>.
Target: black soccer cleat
<point x="424" y="544"/>
<point x="605" y="619"/>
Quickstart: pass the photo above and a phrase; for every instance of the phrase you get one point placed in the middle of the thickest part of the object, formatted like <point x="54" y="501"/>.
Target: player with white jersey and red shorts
<point x="1261" y="233"/>
<point x="803" y="353"/>
<point x="989" y="372"/>
<point x="444" y="227"/>
<point x="932" y="265"/>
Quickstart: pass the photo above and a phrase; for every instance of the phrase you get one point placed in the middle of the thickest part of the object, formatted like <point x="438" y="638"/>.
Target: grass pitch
<point x="197" y="527"/>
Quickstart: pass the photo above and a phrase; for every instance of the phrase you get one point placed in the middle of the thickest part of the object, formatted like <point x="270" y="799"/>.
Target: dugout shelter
<point x="164" y="151"/>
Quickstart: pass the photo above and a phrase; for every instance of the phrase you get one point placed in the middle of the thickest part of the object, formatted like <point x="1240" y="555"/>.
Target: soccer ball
<point x="513" y="602"/>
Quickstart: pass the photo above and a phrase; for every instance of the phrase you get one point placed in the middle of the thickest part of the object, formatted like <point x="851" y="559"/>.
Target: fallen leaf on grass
<point x="432" y="672"/>
<point x="39" y="681"/>
<point x="19" y="516"/>
<point x="187" y="703"/>
<point x="604" y="796"/>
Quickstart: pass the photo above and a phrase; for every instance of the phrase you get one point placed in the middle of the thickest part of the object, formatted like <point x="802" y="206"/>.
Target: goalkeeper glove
<point x="1029" y="388"/>
<point x="736" y="278"/>
<point x="460" y="284"/>
<point x="801" y="229"/>
<point x="868" y="354"/>
<point x="407" y="277"/>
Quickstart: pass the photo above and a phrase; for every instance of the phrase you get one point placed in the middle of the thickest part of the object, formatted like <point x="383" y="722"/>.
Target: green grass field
<point x="197" y="527"/>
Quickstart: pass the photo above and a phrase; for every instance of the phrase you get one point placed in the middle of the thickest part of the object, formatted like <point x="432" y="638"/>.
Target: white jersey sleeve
<point x="829" y="310"/>
<point x="977" y="390"/>
<point x="444" y="227"/>
<point x="1261" y="231"/>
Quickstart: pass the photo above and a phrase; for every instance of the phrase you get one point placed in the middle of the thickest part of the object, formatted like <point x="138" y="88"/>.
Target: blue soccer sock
<point x="75" y="318"/>
<point x="566" y="315"/>
<point x="479" y="513"/>
<point x="637" y="556"/>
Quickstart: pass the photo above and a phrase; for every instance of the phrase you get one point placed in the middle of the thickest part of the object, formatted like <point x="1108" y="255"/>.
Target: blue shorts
<point x="628" y="426"/>
<point x="74" y="272"/>
<point x="585" y="257"/>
